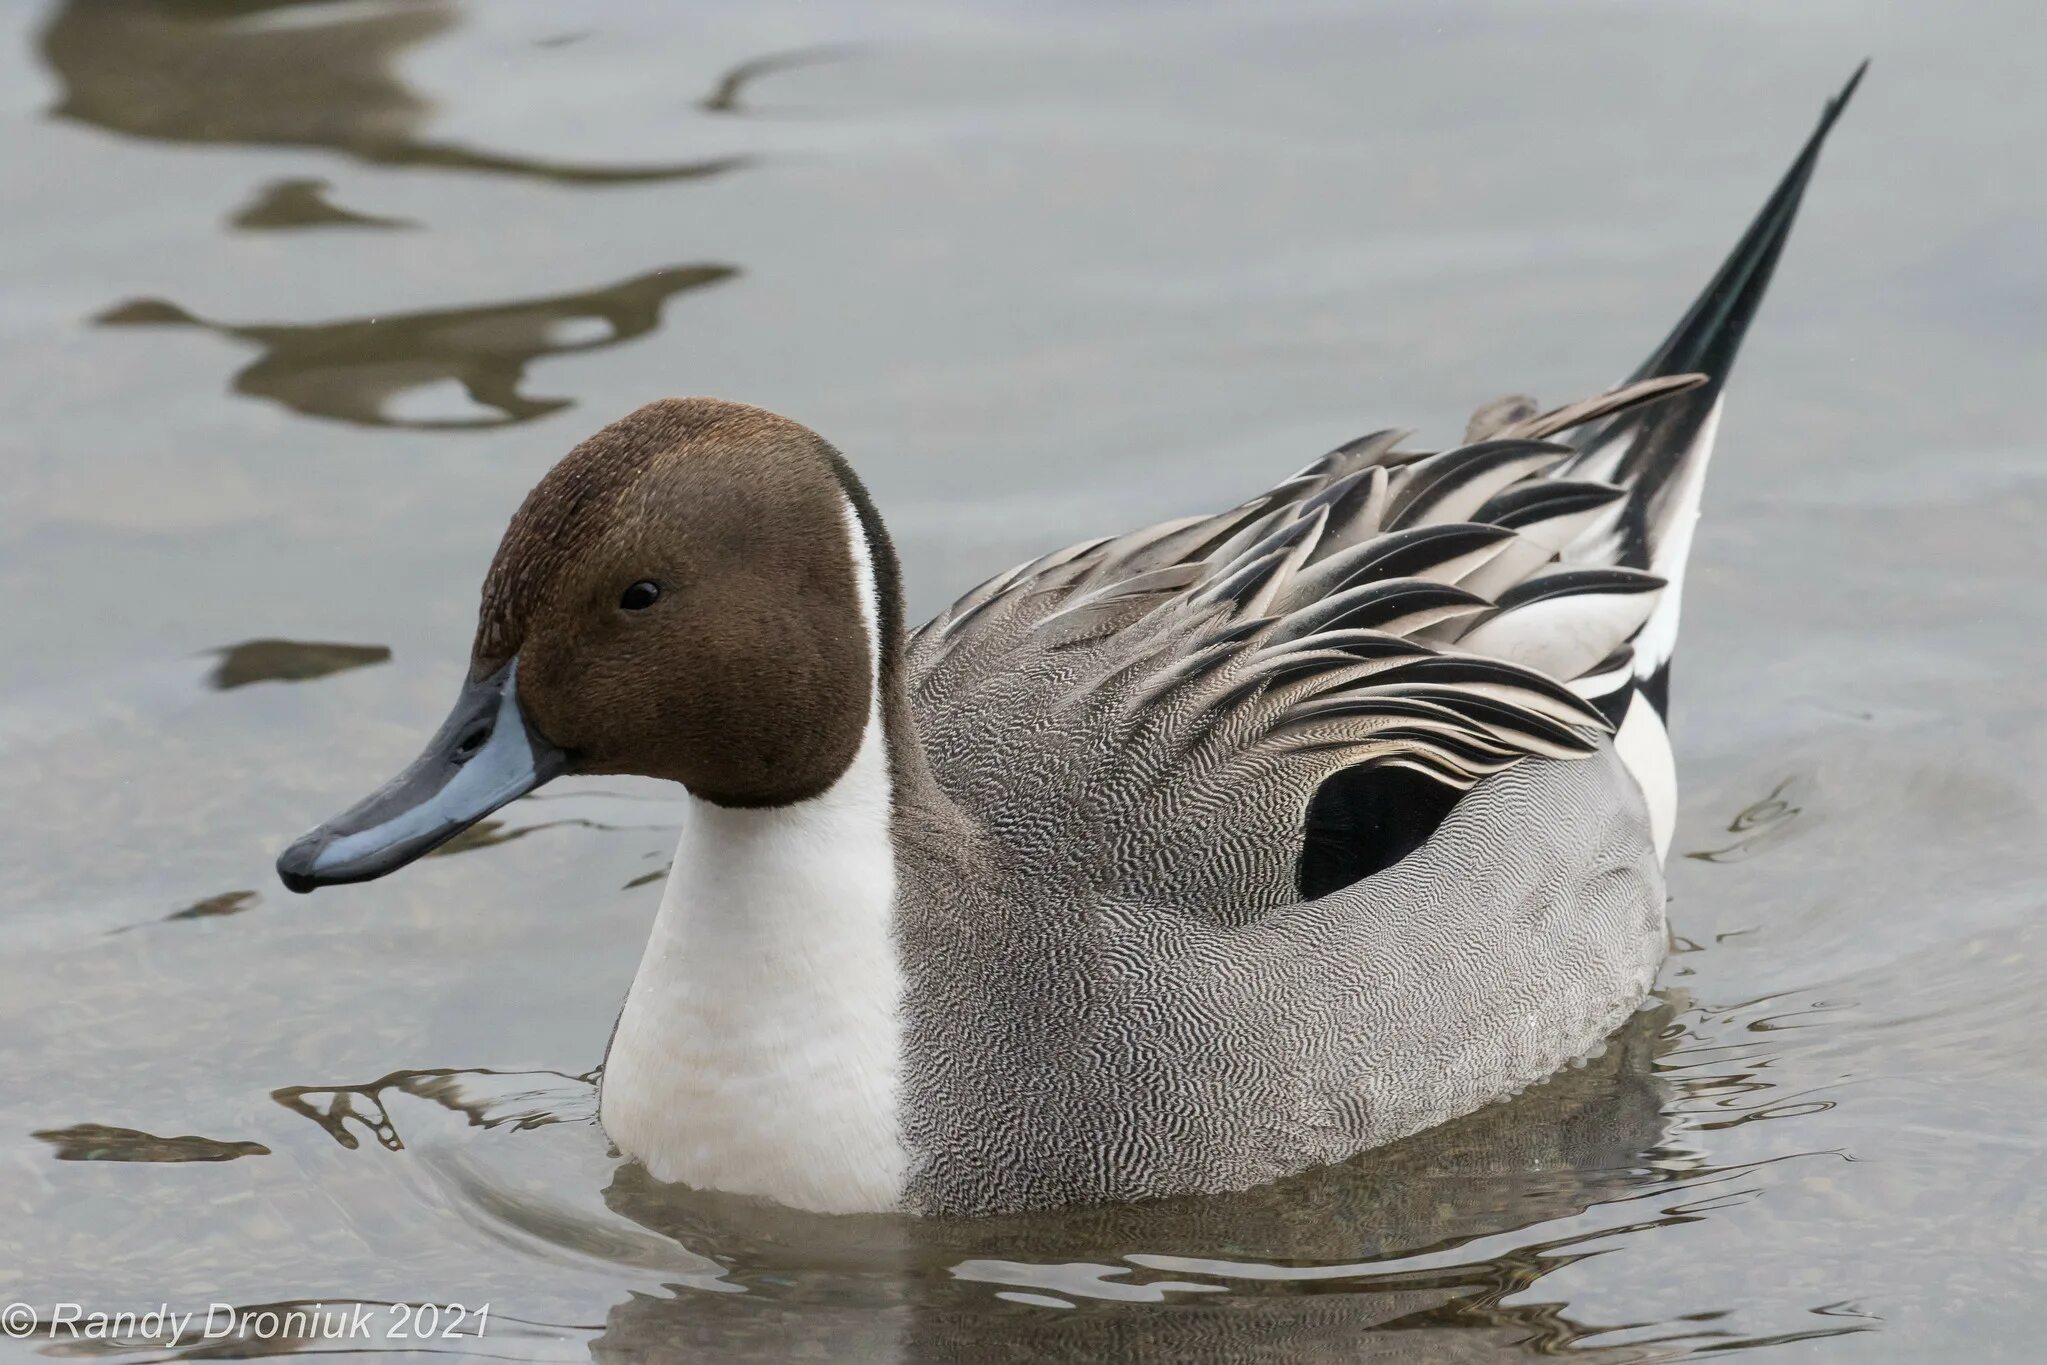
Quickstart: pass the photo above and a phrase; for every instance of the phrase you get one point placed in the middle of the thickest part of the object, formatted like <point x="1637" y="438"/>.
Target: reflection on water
<point x="98" y="1142"/>
<point x="485" y="1098"/>
<point x="305" y="73"/>
<point x="1421" y="1240"/>
<point x="1416" y="1250"/>
<point x="356" y="369"/>
<point x="303" y="203"/>
<point x="609" y="812"/>
<point x="254" y="661"/>
<point x="491" y="833"/>
<point x="1721" y="1085"/>
<point x="1439" y="1247"/>
<point x="725" y="94"/>
<point x="1758" y="825"/>
<point x="226" y="903"/>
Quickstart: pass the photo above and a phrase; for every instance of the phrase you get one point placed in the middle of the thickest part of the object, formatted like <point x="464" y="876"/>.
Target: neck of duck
<point x="760" y="1048"/>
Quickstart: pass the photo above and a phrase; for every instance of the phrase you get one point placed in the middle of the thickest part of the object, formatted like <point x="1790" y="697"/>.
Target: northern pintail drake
<point x="1170" y="862"/>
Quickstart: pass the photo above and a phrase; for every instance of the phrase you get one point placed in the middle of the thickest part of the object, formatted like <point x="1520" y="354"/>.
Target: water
<point x="301" y="297"/>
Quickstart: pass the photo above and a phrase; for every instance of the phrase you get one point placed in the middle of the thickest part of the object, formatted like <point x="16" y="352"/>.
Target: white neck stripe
<point x="864" y="582"/>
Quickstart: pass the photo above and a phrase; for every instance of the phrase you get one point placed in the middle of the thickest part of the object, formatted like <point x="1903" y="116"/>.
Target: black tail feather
<point x="1650" y="450"/>
<point x="1706" y="340"/>
<point x="1658" y="451"/>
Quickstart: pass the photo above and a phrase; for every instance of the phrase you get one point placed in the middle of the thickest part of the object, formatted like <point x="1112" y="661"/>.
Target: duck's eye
<point x="640" y="595"/>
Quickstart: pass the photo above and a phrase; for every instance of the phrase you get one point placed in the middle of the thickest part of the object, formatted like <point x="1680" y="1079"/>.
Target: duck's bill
<point x="484" y="756"/>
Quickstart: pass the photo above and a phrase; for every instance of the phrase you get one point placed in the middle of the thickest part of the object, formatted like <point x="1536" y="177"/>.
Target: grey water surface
<point x="298" y="297"/>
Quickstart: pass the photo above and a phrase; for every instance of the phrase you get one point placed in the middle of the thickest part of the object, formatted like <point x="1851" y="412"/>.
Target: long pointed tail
<point x="1659" y="452"/>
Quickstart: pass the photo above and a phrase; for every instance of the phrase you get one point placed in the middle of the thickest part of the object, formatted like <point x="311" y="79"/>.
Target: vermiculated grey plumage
<point x="1136" y="726"/>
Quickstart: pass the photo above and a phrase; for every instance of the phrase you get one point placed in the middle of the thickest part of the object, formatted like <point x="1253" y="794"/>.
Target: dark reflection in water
<point x="284" y="204"/>
<point x="1758" y="825"/>
<point x="299" y="73"/>
<point x="214" y="907"/>
<point x="211" y="907"/>
<point x="725" y="95"/>
<point x="484" y="1097"/>
<point x="351" y="370"/>
<point x="254" y="661"/>
<point x="491" y="833"/>
<point x="98" y="1142"/>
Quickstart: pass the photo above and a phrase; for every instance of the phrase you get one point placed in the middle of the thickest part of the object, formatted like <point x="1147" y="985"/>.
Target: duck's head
<point x="700" y="592"/>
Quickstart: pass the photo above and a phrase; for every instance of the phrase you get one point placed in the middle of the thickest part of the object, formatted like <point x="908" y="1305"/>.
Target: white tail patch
<point x="1670" y="538"/>
<point x="1644" y="748"/>
<point x="1643" y="740"/>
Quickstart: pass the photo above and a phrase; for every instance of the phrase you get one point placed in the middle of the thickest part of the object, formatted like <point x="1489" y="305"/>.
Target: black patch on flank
<point x="1364" y="820"/>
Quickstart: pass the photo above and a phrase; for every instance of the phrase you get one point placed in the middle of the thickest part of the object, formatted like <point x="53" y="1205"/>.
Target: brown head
<point x="694" y="593"/>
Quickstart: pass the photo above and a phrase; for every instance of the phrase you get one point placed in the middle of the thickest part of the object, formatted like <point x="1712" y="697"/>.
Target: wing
<point x="1157" y="709"/>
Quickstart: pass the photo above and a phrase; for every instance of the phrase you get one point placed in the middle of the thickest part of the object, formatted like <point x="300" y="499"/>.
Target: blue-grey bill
<point x="485" y="756"/>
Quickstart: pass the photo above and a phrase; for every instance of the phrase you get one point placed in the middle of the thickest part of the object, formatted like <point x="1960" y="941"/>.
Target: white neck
<point x="760" y="1047"/>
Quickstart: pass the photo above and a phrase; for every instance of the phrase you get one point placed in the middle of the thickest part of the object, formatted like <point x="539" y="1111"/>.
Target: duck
<point x="1169" y="863"/>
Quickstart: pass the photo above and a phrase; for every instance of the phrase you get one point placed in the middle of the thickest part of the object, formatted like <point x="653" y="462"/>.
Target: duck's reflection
<point x="1437" y="1248"/>
<point x="301" y="73"/>
<point x="360" y="370"/>
<point x="1293" y="1271"/>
